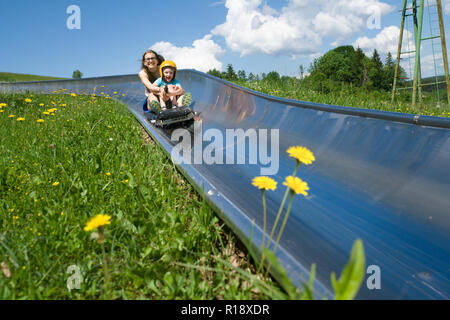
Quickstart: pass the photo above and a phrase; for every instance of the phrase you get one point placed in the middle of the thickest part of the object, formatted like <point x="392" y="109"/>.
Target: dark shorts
<point x="144" y="106"/>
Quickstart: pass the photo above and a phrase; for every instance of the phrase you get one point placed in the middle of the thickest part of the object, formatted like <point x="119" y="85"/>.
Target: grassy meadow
<point x="68" y="158"/>
<point x="348" y="96"/>
<point x="18" y="77"/>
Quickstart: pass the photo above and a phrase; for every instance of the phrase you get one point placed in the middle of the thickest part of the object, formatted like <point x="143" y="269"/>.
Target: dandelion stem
<point x="296" y="167"/>
<point x="284" y="221"/>
<point x="273" y="228"/>
<point x="105" y="264"/>
<point x="265" y="218"/>
<point x="281" y="207"/>
<point x="279" y="215"/>
<point x="282" y="228"/>
<point x="264" y="232"/>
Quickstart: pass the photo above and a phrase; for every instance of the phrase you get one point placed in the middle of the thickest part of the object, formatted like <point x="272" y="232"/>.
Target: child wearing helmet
<point x="174" y="92"/>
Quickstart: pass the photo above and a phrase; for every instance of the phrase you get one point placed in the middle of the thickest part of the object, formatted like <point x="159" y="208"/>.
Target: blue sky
<point x="255" y="35"/>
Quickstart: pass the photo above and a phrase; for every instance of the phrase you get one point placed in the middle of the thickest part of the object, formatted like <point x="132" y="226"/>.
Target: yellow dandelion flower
<point x="20" y="119"/>
<point x="55" y="184"/>
<point x="73" y="94"/>
<point x="125" y="181"/>
<point x="98" y="221"/>
<point x="108" y="174"/>
<point x="62" y="213"/>
<point x="264" y="183"/>
<point x="40" y="120"/>
<point x="297" y="185"/>
<point x="28" y="100"/>
<point x="302" y="154"/>
<point x="11" y="116"/>
<point x="46" y="112"/>
<point x="41" y="104"/>
<point x="1" y="110"/>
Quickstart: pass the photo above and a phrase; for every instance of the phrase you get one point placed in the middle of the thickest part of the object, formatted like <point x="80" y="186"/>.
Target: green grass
<point x="344" y="95"/>
<point x="89" y="157"/>
<point x="18" y="77"/>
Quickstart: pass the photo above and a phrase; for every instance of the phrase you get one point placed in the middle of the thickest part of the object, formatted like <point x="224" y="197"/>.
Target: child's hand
<point x="163" y="94"/>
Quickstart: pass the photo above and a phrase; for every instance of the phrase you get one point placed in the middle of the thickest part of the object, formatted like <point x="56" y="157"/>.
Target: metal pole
<point x="414" y="9"/>
<point x="417" y="35"/>
<point x="419" y="71"/>
<point x="444" y="48"/>
<point x="399" y="50"/>
<point x="419" y="67"/>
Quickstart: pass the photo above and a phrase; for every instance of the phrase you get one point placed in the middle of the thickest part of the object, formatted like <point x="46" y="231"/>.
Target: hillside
<point x="18" y="77"/>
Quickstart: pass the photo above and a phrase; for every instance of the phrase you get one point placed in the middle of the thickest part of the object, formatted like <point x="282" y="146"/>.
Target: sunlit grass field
<point x="66" y="159"/>
<point x="351" y="97"/>
<point x="13" y="77"/>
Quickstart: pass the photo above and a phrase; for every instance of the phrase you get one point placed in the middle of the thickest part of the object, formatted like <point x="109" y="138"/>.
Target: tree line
<point x="341" y="65"/>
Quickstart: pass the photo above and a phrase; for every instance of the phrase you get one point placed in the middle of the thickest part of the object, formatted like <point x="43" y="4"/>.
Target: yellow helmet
<point x="168" y="63"/>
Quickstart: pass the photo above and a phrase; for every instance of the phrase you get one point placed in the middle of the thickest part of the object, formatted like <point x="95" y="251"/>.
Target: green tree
<point x="251" y="76"/>
<point x="272" y="76"/>
<point x="301" y="69"/>
<point x="336" y="64"/>
<point x="376" y="71"/>
<point x="313" y="66"/>
<point x="214" y="72"/>
<point x="77" y="74"/>
<point x="230" y="74"/>
<point x="358" y="70"/>
<point x="388" y="72"/>
<point x="241" y="75"/>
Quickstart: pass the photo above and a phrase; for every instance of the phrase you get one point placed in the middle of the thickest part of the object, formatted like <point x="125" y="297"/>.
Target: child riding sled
<point x="175" y="95"/>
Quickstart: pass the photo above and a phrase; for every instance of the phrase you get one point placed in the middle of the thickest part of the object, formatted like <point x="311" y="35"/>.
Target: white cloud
<point x="342" y="19"/>
<point x="298" y="28"/>
<point x="203" y="55"/>
<point x="428" y="63"/>
<point x="251" y="29"/>
<point x="315" y="55"/>
<point x="432" y="64"/>
<point x="386" y="41"/>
